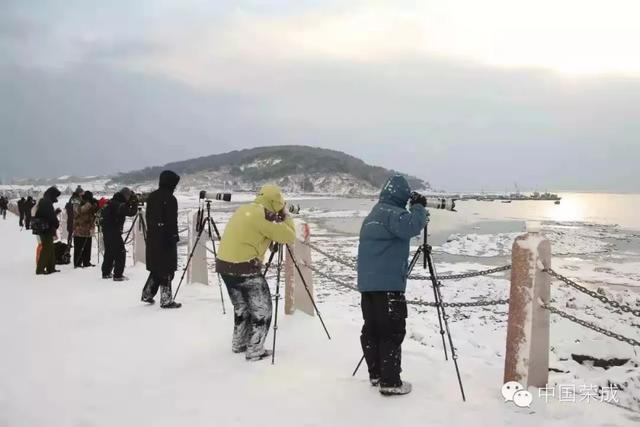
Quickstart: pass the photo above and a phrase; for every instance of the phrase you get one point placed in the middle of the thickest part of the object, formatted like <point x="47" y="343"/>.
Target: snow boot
<point x="148" y="300"/>
<point x="375" y="382"/>
<point x="107" y="276"/>
<point x="404" y="388"/>
<point x="263" y="355"/>
<point x="241" y="349"/>
<point x="120" y="279"/>
<point x="172" y="304"/>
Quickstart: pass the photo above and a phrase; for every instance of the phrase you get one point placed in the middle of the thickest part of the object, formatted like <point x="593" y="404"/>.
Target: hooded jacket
<point x="84" y="217"/>
<point x="115" y="212"/>
<point x="385" y="238"/>
<point x="162" y="226"/>
<point x="251" y="230"/>
<point x="46" y="212"/>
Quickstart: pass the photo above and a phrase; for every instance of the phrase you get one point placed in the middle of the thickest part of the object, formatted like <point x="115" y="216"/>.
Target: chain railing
<point x="343" y="261"/>
<point x="589" y="325"/>
<point x="464" y="275"/>
<point x="593" y="294"/>
<point x="344" y="284"/>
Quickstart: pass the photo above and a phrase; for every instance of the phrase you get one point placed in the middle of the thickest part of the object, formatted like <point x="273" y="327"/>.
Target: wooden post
<point x="527" y="355"/>
<point x="295" y="295"/>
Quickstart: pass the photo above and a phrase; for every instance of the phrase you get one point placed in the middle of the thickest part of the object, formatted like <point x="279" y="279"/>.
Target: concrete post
<point x="295" y="295"/>
<point x="198" y="270"/>
<point x="139" y="244"/>
<point x="63" y="234"/>
<point x="527" y="355"/>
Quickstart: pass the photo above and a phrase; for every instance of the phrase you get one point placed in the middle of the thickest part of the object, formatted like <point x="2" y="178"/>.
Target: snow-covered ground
<point x="81" y="351"/>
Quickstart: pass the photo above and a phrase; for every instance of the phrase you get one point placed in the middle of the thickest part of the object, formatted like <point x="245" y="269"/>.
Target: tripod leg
<point x="186" y="267"/>
<point x="355" y="371"/>
<point x="275" y="322"/>
<point x="215" y="253"/>
<point x="304" y="282"/>
<point x="454" y="356"/>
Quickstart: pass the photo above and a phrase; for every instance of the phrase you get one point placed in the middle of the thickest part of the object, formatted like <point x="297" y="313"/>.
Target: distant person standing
<point x="28" y="211"/>
<point x="46" y="224"/>
<point x="21" y="211"/>
<point x="4" y="205"/>
<point x="74" y="201"/>
<point x="83" y="225"/>
<point x="162" y="241"/>
<point x="123" y="204"/>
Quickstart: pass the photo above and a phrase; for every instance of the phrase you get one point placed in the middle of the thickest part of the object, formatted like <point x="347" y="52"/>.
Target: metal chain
<point x="341" y="260"/>
<point x="410" y="302"/>
<point x="590" y="325"/>
<point x="461" y="304"/>
<point x="464" y="275"/>
<point x="603" y="298"/>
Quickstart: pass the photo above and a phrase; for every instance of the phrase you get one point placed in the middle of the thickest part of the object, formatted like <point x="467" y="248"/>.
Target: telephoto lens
<point x="225" y="197"/>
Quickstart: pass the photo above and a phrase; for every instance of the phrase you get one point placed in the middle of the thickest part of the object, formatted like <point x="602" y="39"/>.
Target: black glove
<point x="417" y="198"/>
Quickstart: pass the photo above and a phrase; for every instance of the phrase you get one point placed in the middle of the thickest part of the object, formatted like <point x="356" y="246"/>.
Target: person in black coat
<point x="21" y="211"/>
<point x="4" y="205"/>
<point x="46" y="214"/>
<point x="162" y="241"/>
<point x="123" y="204"/>
<point x="28" y="206"/>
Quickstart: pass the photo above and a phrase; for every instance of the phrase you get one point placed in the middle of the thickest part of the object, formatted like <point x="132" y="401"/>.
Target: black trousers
<point x="21" y="219"/>
<point x="155" y="282"/>
<point x="47" y="259"/>
<point x="27" y="220"/>
<point x="383" y="332"/>
<point x="114" y="253"/>
<point x="81" y="251"/>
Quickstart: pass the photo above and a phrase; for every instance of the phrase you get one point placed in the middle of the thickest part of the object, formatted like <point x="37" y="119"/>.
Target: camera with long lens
<point x="433" y="202"/>
<point x="223" y="197"/>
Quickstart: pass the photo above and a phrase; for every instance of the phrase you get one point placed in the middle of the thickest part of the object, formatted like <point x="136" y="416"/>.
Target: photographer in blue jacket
<point x="383" y="265"/>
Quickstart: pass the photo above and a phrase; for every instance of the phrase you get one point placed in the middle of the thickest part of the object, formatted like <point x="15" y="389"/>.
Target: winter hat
<point x="79" y="190"/>
<point x="87" y="196"/>
<point x="126" y="193"/>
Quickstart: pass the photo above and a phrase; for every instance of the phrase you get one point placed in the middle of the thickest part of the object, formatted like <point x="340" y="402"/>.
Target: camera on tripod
<point x="434" y="202"/>
<point x="223" y="197"/>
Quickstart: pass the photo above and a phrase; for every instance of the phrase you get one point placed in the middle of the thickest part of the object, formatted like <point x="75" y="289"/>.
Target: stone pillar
<point x="527" y="355"/>
<point x="198" y="270"/>
<point x="295" y="295"/>
<point x="63" y="234"/>
<point x="139" y="244"/>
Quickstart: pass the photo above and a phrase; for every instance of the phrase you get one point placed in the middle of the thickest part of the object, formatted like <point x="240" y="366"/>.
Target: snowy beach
<point x="83" y="351"/>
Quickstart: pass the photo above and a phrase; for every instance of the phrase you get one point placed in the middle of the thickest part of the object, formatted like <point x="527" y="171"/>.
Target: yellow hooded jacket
<point x="251" y="230"/>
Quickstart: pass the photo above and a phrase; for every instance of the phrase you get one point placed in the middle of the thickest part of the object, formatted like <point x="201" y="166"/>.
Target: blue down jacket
<point x="385" y="238"/>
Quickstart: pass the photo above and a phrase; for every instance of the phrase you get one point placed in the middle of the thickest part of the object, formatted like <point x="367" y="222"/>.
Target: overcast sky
<point x="467" y="94"/>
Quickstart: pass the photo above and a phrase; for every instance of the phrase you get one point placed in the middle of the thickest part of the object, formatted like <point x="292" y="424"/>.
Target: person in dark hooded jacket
<point x="383" y="254"/>
<point x="21" y="211"/>
<point x="28" y="207"/>
<point x="46" y="214"/>
<point x="123" y="204"/>
<point x="162" y="241"/>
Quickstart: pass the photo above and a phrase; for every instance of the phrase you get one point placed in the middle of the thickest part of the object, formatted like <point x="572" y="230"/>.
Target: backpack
<point x="62" y="254"/>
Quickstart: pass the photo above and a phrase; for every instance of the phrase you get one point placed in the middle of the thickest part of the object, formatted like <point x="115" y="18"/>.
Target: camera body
<point x="434" y="202"/>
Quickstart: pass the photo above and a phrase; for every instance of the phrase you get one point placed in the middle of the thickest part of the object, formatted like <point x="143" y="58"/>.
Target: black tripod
<point x="203" y="221"/>
<point x="426" y="251"/>
<point x="139" y="218"/>
<point x="278" y="248"/>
